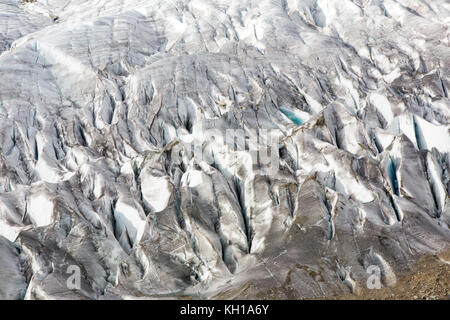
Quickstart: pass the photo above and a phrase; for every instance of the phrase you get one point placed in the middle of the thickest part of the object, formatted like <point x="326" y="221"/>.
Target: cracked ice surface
<point x="102" y="101"/>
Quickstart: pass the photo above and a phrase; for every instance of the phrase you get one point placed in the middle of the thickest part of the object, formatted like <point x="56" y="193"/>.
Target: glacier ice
<point x="137" y="143"/>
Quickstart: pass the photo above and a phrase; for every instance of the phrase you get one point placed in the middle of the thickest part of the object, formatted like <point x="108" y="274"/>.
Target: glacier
<point x="220" y="149"/>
